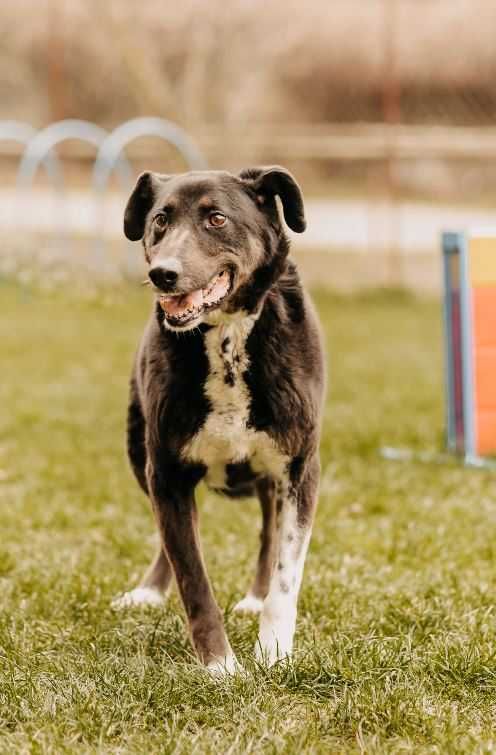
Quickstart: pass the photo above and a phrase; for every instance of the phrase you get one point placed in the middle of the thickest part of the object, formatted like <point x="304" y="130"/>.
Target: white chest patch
<point x="225" y="437"/>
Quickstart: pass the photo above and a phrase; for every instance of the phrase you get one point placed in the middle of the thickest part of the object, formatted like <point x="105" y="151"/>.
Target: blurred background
<point x="383" y="109"/>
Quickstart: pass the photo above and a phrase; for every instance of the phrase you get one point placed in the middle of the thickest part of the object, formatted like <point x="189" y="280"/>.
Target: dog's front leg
<point x="278" y="619"/>
<point x="172" y="492"/>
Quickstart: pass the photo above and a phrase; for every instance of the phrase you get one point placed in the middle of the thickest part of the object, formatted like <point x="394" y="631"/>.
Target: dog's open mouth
<point x="180" y="309"/>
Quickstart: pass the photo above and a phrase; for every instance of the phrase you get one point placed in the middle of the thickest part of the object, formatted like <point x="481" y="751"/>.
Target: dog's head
<point x="206" y="234"/>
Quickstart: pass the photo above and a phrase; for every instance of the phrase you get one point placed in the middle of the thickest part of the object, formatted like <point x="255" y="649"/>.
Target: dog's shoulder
<point x="286" y="376"/>
<point x="286" y="339"/>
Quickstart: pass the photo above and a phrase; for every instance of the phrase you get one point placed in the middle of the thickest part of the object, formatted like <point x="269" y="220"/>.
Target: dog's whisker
<point x="146" y="282"/>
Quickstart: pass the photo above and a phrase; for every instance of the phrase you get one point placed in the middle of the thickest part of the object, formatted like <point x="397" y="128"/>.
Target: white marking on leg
<point x="140" y="596"/>
<point x="278" y="619"/>
<point x="249" y="604"/>
<point x="221" y="667"/>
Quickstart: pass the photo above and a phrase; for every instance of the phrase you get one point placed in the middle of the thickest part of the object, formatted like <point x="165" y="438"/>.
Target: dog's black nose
<point x="163" y="277"/>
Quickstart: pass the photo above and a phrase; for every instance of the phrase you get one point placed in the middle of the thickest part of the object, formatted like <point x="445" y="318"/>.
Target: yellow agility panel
<point x="482" y="251"/>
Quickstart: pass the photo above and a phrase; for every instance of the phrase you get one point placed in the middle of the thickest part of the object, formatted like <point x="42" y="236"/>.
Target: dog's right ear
<point x="140" y="203"/>
<point x="275" y="180"/>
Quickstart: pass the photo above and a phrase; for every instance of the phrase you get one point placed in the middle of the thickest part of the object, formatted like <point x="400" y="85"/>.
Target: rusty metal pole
<point x="391" y="109"/>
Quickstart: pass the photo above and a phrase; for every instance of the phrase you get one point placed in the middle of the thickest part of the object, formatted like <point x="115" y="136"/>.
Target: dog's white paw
<point x="268" y="653"/>
<point x="249" y="604"/>
<point x="271" y="652"/>
<point x="140" y="596"/>
<point x="222" y="667"/>
<point x="275" y="637"/>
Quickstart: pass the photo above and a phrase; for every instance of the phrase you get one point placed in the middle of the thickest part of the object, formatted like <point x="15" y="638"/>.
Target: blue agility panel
<point x="460" y="426"/>
<point x="454" y="419"/>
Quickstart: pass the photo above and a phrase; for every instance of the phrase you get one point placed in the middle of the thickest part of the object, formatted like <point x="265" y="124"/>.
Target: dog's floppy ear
<point x="267" y="182"/>
<point x="140" y="203"/>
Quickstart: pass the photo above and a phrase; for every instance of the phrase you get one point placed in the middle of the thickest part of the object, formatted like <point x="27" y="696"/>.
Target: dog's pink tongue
<point x="179" y="304"/>
<point x="193" y="300"/>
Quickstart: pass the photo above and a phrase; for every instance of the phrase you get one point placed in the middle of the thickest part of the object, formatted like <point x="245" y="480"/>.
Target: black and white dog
<point x="227" y="387"/>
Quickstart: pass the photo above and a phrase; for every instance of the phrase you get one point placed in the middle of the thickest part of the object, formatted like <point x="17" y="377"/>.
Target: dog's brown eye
<point x="161" y="221"/>
<point x="217" y="219"/>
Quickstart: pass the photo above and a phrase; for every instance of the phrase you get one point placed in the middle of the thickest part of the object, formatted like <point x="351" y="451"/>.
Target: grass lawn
<point x="396" y="637"/>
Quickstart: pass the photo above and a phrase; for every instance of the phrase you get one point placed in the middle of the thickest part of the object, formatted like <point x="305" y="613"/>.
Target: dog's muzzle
<point x="180" y="309"/>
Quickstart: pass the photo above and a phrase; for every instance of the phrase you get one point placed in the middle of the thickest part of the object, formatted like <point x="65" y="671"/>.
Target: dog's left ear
<point x="268" y="182"/>
<point x="140" y="203"/>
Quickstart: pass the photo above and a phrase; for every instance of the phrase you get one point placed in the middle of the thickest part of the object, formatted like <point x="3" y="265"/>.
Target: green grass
<point x="396" y="638"/>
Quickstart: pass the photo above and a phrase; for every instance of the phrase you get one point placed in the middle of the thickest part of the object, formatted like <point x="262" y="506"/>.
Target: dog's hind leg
<point x="278" y="618"/>
<point x="158" y="576"/>
<point x="153" y="588"/>
<point x="253" y="601"/>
